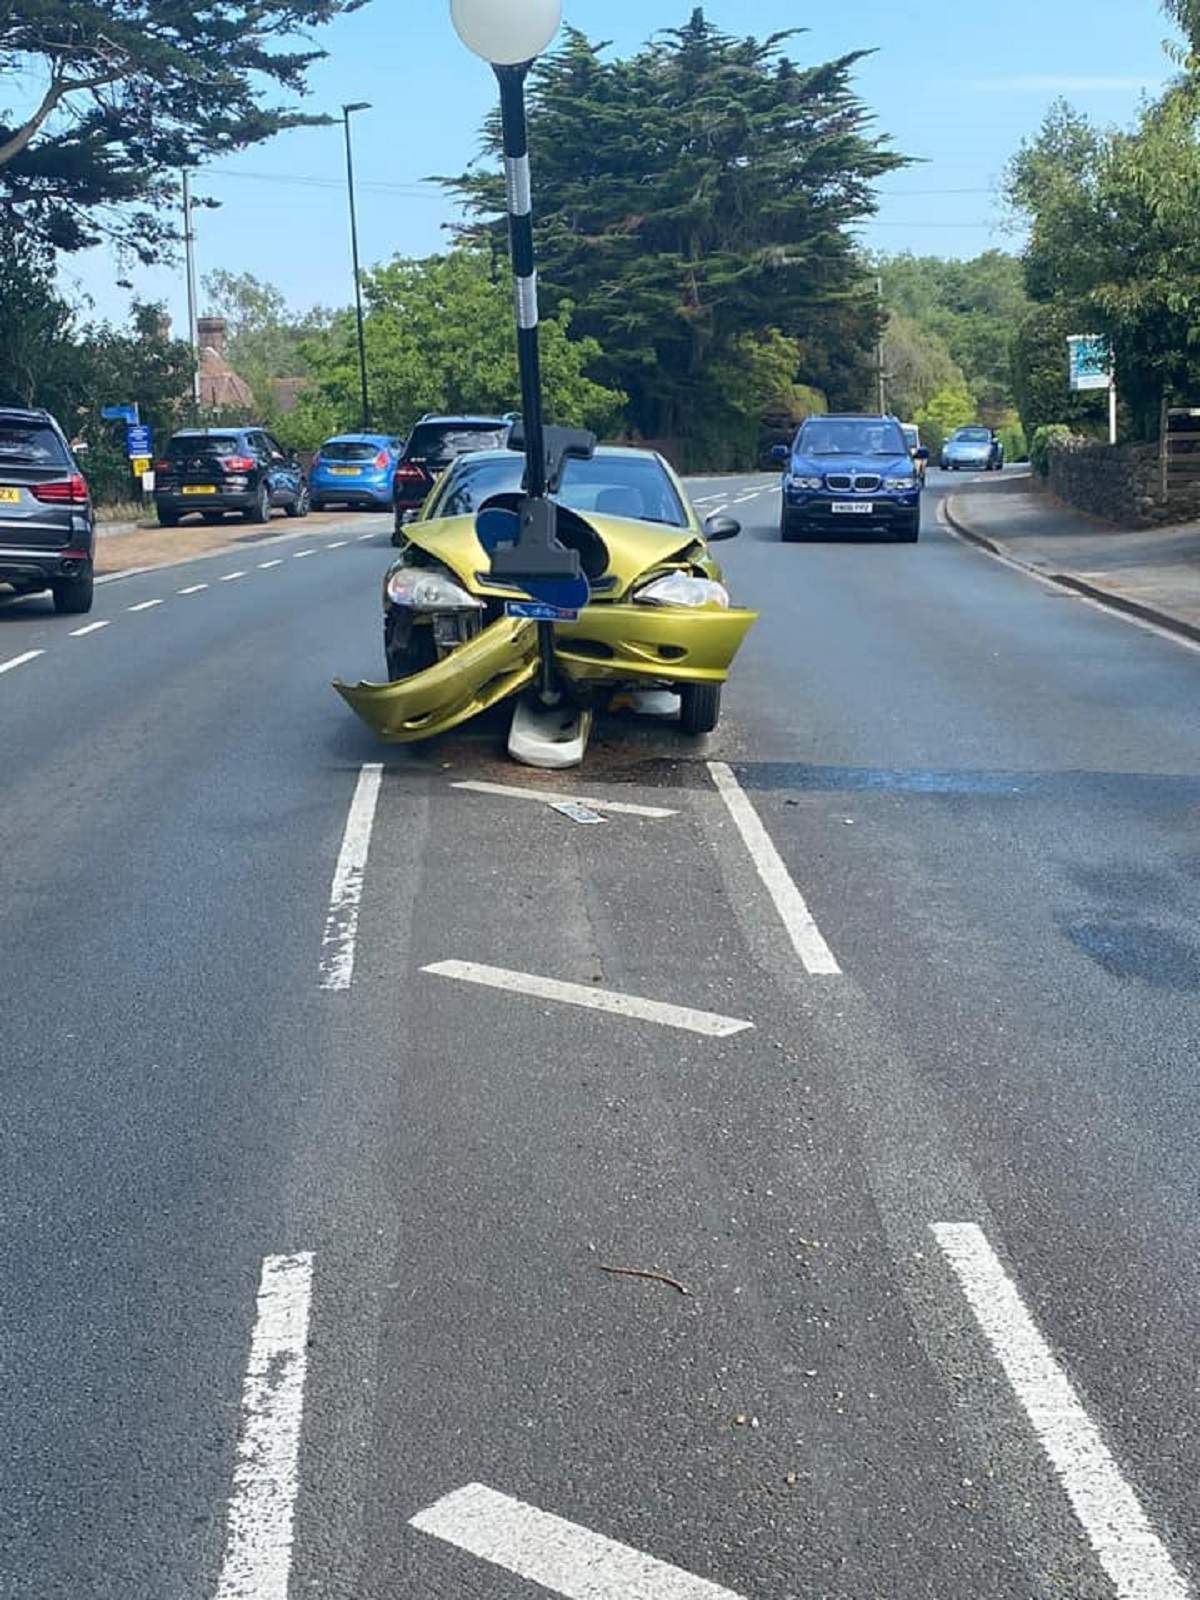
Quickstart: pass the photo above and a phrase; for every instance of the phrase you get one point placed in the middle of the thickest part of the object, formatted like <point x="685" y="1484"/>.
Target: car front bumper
<point x="806" y="509"/>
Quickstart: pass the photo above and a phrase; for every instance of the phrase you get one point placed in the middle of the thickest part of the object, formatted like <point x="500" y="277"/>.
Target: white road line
<point x="90" y="627"/>
<point x="144" y="605"/>
<point x="19" y="661"/>
<point x="299" y="555"/>
<point x="557" y="1554"/>
<point x="192" y="588"/>
<point x="263" y="565"/>
<point x="807" y="941"/>
<point x="1128" y="1548"/>
<point x="624" y="808"/>
<point x="345" y="894"/>
<point x="258" y="1534"/>
<point x="336" y="544"/>
<point x="578" y="994"/>
<point x="228" y="577"/>
<point x="364" y="536"/>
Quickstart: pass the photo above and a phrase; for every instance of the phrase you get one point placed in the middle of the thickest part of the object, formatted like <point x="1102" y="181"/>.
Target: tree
<point x="127" y="92"/>
<point x="439" y="337"/>
<point x="952" y="407"/>
<point x="691" y="195"/>
<point x="917" y="365"/>
<point x="264" y="340"/>
<point x="35" y="327"/>
<point x="1041" y="381"/>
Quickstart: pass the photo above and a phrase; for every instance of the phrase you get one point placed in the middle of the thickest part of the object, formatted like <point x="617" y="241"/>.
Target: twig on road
<point x="643" y="1272"/>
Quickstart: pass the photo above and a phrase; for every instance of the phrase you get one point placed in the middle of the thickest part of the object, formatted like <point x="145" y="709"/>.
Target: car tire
<point x="699" y="707"/>
<point x="909" y="532"/>
<point x="299" y="506"/>
<point x="789" y="533"/>
<point x="167" y="519"/>
<point x="73" y="596"/>
<point x="398" y="533"/>
<point x="260" y="510"/>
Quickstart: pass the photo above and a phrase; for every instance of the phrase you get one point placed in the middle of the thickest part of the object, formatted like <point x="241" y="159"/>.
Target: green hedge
<point x="1039" y="450"/>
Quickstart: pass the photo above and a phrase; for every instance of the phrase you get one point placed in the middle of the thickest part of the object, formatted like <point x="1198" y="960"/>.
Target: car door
<point x="283" y="474"/>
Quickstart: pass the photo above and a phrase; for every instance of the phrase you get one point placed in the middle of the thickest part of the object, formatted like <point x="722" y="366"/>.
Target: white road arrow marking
<point x="560" y="1555"/>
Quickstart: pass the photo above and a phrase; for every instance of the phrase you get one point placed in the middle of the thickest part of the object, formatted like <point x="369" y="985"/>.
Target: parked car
<point x="973" y="449"/>
<point x="849" y="471"/>
<point x="912" y="437"/>
<point x="432" y="445"/>
<point x="355" y="469"/>
<point x="215" y="470"/>
<point x="47" y="523"/>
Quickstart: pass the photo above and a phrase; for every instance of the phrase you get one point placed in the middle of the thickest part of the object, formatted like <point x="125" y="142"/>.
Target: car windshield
<point x="442" y="441"/>
<point x="973" y="436"/>
<point x="835" y="436"/>
<point x="349" y="450"/>
<point x="613" y="486"/>
<point x="208" y="444"/>
<point x="31" y="444"/>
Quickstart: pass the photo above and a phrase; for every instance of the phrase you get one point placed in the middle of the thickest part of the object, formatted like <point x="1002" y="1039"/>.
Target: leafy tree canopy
<point x="126" y="92"/>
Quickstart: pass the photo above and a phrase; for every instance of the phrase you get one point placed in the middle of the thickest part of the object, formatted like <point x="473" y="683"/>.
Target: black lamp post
<point x="357" y="105"/>
<point x="509" y="35"/>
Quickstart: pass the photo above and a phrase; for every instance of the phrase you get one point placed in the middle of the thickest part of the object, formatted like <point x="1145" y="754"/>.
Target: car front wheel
<point x="699" y="707"/>
<point x="299" y="506"/>
<point x="167" y="519"/>
<point x="909" y="532"/>
<point x="260" y="510"/>
<point x="73" y="596"/>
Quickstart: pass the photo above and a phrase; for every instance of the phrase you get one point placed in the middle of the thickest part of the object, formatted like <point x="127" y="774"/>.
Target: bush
<point x="1048" y="434"/>
<point x="1012" y="437"/>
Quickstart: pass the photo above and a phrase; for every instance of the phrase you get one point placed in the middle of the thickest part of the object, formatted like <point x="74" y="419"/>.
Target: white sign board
<point x="1091" y="361"/>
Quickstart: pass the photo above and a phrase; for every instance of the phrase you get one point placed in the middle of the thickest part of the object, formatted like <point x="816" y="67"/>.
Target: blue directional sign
<point x="539" y="611"/>
<point x="123" y="413"/>
<point x="558" y="593"/>
<point x="138" y="440"/>
<point x="1091" y="362"/>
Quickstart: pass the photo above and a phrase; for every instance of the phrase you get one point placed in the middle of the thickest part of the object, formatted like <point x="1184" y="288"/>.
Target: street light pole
<point x="520" y="238"/>
<point x="357" y="105"/>
<point x="189" y="252"/>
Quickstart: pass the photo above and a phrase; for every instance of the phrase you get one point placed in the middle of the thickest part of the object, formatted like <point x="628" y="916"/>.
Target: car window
<point x="259" y="442"/>
<point x="850" y="436"/>
<point x="31" y="444"/>
<point x="442" y="441"/>
<point x="613" y="486"/>
<point x="274" y="446"/>
<point x="974" y="435"/>
<point x="349" y="450"/>
<point x="207" y="444"/>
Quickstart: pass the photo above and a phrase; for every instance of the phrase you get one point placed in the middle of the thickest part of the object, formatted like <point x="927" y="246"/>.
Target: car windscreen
<point x="913" y="438"/>
<point x="204" y="444"/>
<point x="442" y="441"/>
<point x="30" y="444"/>
<point x="349" y="450"/>
<point x="610" y="486"/>
<point x="973" y="436"/>
<point x="835" y="437"/>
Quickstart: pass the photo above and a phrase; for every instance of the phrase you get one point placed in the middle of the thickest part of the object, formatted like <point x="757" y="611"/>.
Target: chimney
<point x="210" y="334"/>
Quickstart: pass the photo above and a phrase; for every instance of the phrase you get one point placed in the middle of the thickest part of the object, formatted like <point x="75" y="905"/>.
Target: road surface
<point x="302" y="1238"/>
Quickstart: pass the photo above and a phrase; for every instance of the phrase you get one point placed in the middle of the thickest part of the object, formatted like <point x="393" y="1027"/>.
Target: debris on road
<point x="643" y="1272"/>
<point x="576" y="812"/>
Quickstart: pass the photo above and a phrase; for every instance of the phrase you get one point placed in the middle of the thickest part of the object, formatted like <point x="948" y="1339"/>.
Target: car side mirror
<point x="779" y="454"/>
<point x="719" y="526"/>
<point x="921" y="455"/>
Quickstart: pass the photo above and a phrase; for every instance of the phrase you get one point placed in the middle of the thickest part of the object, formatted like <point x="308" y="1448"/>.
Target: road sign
<point x="560" y="1555"/>
<point x="140" y="465"/>
<point x="539" y="611"/>
<point x="138" y="440"/>
<point x="496" y="528"/>
<point x="1091" y="362"/>
<point x="123" y="413"/>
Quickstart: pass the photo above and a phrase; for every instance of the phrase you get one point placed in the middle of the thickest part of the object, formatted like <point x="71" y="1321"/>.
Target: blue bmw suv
<point x="849" y="472"/>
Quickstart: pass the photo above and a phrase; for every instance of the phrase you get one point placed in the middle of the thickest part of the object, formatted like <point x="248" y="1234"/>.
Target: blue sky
<point x="957" y="83"/>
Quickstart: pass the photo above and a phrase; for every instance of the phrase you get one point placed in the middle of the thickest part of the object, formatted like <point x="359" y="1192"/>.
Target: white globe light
<point x="506" y="32"/>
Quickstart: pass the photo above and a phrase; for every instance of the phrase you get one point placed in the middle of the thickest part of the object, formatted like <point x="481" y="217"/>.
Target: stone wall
<point x="1119" y="483"/>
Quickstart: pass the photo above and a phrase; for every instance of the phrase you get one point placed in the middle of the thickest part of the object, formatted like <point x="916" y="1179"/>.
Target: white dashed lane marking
<point x="19" y="661"/>
<point x="228" y="577"/>
<point x="144" y="605"/>
<point x="263" y="565"/>
<point x="299" y="555"/>
<point x="192" y="588"/>
<point x="345" y="893"/>
<point x="91" y="627"/>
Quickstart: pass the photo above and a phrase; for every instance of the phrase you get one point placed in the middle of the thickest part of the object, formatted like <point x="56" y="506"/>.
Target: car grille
<point x="838" y="480"/>
<point x="860" y="483"/>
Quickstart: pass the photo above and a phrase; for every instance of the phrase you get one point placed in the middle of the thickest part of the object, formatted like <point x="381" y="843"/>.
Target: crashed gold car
<point x="658" y="616"/>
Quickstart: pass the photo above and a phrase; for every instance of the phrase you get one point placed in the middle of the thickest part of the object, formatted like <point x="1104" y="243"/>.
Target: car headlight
<point x="421" y="589"/>
<point x="683" y="589"/>
<point x="899" y="485"/>
<point x="806" y="483"/>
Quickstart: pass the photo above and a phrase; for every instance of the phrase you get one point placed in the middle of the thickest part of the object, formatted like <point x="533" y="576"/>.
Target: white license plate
<point x="852" y="508"/>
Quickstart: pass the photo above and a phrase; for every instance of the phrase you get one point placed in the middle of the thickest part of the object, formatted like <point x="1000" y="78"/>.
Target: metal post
<point x="879" y="352"/>
<point x="520" y="238"/>
<point x="189" y="250"/>
<point x="362" y="347"/>
<point x="1112" y="411"/>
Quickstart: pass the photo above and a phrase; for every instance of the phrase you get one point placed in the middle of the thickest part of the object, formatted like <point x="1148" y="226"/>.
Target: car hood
<point x="633" y="548"/>
<point x="882" y="466"/>
<point x="969" y="447"/>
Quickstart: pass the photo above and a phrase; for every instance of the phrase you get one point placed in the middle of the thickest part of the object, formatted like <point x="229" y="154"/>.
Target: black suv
<point x="215" y="470"/>
<point x="432" y="445"/>
<point x="47" y="524"/>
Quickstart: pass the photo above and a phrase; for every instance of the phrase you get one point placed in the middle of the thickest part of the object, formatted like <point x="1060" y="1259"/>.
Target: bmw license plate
<point x="852" y="508"/>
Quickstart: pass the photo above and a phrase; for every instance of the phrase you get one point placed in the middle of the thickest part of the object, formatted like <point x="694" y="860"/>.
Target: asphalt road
<point x="286" y="1264"/>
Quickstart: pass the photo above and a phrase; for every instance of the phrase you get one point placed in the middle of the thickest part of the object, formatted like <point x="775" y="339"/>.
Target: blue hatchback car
<point x="355" y="469"/>
<point x="842" y="473"/>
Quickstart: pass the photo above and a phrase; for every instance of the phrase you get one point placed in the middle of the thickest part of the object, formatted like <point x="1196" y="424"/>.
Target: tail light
<point x="238" y="463"/>
<point x="165" y="465"/>
<point x="72" y="491"/>
<point x="410" y="474"/>
<point x="382" y="459"/>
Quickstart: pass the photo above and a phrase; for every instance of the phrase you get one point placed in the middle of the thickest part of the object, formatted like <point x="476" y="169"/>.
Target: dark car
<point x="47" y="525"/>
<point x="215" y="470"/>
<point x="850" y="472"/>
<point x="432" y="445"/>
